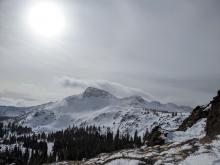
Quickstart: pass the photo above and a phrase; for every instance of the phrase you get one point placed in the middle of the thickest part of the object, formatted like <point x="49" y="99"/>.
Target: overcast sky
<point x="164" y="50"/>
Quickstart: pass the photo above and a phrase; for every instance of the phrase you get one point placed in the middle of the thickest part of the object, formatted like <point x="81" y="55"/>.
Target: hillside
<point x="166" y="133"/>
<point x="190" y="144"/>
<point x="100" y="108"/>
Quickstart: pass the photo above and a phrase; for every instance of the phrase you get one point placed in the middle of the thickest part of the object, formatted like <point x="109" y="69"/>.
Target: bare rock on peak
<point x="95" y="92"/>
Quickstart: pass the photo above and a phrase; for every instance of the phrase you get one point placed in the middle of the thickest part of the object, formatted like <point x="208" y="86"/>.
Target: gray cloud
<point x="16" y="102"/>
<point x="167" y="48"/>
<point x="208" y="84"/>
<point x="116" y="89"/>
<point x="16" y="95"/>
<point x="13" y="98"/>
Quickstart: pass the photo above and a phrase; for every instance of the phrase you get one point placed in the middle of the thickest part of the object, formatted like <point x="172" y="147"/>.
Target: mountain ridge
<point x="99" y="107"/>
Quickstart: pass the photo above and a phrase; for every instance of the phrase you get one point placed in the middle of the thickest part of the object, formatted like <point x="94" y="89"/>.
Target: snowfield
<point x="208" y="154"/>
<point x="123" y="162"/>
<point x="196" y="131"/>
<point x="100" y="108"/>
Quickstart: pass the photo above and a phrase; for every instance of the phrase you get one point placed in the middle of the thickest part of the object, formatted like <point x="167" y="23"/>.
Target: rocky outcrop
<point x="198" y="113"/>
<point x="155" y="137"/>
<point x="95" y="92"/>
<point x="172" y="153"/>
<point x="213" y="120"/>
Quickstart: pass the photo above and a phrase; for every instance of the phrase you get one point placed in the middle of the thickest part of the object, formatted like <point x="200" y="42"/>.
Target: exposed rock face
<point x="213" y="120"/>
<point x="198" y="113"/>
<point x="95" y="92"/>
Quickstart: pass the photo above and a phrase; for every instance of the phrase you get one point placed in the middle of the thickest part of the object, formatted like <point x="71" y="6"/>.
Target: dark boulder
<point x="213" y="120"/>
<point x="155" y="137"/>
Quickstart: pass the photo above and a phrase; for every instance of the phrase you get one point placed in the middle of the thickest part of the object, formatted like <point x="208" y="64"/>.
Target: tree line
<point x="73" y="143"/>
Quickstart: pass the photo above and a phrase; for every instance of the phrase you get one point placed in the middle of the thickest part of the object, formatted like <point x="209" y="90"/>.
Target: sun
<point x="46" y="19"/>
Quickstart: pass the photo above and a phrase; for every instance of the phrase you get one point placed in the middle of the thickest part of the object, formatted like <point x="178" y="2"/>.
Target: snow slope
<point x="100" y="108"/>
<point x="123" y="162"/>
<point x="196" y="131"/>
<point x="208" y="154"/>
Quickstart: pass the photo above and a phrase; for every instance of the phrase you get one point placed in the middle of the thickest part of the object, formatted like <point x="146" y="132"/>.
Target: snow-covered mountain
<point x="99" y="107"/>
<point x="196" y="141"/>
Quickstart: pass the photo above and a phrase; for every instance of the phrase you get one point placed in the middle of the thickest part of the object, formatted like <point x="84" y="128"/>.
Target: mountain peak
<point x="95" y="92"/>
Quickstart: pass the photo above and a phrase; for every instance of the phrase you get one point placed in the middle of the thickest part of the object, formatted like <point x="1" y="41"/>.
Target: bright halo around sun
<point x="46" y="19"/>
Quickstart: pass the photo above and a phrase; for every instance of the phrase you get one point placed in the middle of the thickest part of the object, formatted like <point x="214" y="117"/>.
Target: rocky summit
<point x="95" y="92"/>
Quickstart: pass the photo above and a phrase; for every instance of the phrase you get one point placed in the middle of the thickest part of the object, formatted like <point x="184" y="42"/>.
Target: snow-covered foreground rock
<point x="100" y="108"/>
<point x="124" y="161"/>
<point x="207" y="154"/>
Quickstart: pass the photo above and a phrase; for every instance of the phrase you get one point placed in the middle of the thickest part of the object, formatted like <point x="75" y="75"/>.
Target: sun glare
<point x="46" y="19"/>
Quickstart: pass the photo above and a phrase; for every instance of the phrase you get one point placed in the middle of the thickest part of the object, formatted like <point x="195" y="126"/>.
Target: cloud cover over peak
<point x="116" y="89"/>
<point x="167" y="48"/>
